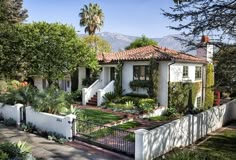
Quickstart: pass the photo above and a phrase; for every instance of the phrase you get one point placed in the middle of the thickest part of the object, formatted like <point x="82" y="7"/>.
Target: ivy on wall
<point x="209" y="86"/>
<point x="118" y="80"/>
<point x="154" y="78"/>
<point x="182" y="96"/>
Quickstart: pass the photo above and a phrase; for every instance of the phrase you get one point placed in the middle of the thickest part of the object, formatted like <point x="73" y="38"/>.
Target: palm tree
<point x="92" y="18"/>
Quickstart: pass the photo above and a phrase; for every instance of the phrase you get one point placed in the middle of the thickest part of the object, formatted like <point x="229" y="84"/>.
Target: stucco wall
<point x="11" y="111"/>
<point x="127" y="75"/>
<point x="50" y="122"/>
<point x="176" y="72"/>
<point x="181" y="132"/>
<point x="176" y="75"/>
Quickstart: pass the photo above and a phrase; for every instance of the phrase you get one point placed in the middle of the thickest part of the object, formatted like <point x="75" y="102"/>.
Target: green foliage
<point x="76" y="96"/>
<point x="3" y="155"/>
<point x="109" y="96"/>
<point x="91" y="17"/>
<point x="3" y="86"/>
<point x="9" y="122"/>
<point x="118" y="80"/>
<point x="171" y="111"/>
<point x="182" y="95"/>
<point x="139" y="84"/>
<point x="141" y="42"/>
<point x="48" y="50"/>
<point x="19" y="150"/>
<point x="188" y="155"/>
<point x="154" y="78"/>
<point x="12" y="11"/>
<point x="29" y="127"/>
<point x="52" y="100"/>
<point x="53" y="136"/>
<point x="225" y="67"/>
<point x="137" y="95"/>
<point x="209" y="100"/>
<point x="99" y="44"/>
<point x="159" y="118"/>
<point x="146" y="105"/>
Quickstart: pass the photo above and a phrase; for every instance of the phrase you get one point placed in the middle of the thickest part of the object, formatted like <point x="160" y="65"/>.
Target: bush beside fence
<point x="182" y="132"/>
<point x="11" y="111"/>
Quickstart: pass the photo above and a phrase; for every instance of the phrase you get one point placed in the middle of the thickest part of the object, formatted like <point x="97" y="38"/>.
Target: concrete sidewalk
<point x="45" y="149"/>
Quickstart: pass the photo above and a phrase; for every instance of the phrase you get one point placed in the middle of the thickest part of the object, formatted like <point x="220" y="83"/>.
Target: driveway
<point x="45" y="149"/>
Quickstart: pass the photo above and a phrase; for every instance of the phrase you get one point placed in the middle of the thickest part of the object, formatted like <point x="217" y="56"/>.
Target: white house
<point x="173" y="66"/>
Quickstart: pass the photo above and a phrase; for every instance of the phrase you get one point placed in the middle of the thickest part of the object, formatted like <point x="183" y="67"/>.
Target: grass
<point x="218" y="147"/>
<point x="100" y="117"/>
<point x="159" y="118"/>
<point x="108" y="131"/>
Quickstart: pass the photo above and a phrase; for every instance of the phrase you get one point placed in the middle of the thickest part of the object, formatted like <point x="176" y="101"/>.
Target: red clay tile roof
<point x="147" y="52"/>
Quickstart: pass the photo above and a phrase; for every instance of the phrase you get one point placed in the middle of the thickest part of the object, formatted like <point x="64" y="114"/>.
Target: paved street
<point x="45" y="149"/>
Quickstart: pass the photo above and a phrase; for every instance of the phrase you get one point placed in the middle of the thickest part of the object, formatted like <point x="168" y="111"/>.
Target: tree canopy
<point x="91" y="17"/>
<point x="225" y="69"/>
<point x="48" y="50"/>
<point x="141" y="42"/>
<point x="12" y="11"/>
<point x="99" y="44"/>
<point x="205" y="17"/>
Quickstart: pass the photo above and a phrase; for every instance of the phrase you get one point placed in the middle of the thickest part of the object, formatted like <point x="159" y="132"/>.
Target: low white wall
<point x="181" y="132"/>
<point x="50" y="122"/>
<point x="157" y="112"/>
<point x="11" y="111"/>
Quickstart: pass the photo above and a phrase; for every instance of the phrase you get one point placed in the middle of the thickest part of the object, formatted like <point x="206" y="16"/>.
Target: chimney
<point x="205" y="39"/>
<point x="205" y="50"/>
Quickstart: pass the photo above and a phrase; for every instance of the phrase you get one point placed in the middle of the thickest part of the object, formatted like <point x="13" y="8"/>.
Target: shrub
<point x="19" y="150"/>
<point x="3" y="86"/>
<point x="52" y="100"/>
<point x="9" y="122"/>
<point x="170" y="111"/>
<point x="125" y="99"/>
<point x="146" y="105"/>
<point x="137" y="95"/>
<point x="3" y="155"/>
<point x="77" y="95"/>
<point x="109" y="96"/>
<point x="29" y="127"/>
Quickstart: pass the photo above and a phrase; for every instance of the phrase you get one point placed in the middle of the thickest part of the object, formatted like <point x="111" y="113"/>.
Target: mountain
<point x="120" y="41"/>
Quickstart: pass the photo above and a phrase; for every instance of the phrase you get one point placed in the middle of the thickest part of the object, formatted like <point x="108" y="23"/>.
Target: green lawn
<point x="159" y="118"/>
<point x="108" y="131"/>
<point x="100" y="117"/>
<point x="218" y="147"/>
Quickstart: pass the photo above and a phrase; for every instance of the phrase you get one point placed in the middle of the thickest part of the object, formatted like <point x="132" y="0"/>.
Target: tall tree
<point x="225" y="68"/>
<point x="92" y="18"/>
<point x="141" y="42"/>
<point x="198" y="17"/>
<point x="49" y="50"/>
<point x="12" y="11"/>
<point x="98" y="43"/>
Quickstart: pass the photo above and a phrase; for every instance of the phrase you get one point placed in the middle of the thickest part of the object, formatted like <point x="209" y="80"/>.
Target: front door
<point x="112" y="73"/>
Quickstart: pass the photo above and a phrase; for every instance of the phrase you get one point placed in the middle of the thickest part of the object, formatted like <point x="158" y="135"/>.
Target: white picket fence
<point x="181" y="132"/>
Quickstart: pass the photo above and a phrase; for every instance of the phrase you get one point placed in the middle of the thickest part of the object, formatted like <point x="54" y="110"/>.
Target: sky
<point x="130" y="17"/>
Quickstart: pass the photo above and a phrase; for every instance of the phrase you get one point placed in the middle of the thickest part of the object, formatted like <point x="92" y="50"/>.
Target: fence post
<point x="84" y="96"/>
<point x="18" y="113"/>
<point x="69" y="125"/>
<point x="142" y="150"/>
<point x="99" y="97"/>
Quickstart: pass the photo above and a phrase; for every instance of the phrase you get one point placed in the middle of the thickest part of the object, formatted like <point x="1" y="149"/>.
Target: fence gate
<point x="110" y="138"/>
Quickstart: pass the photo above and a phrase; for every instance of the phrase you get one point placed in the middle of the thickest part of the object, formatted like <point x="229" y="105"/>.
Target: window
<point x="185" y="71"/>
<point x="198" y="102"/>
<point x="198" y="72"/>
<point x="141" y="73"/>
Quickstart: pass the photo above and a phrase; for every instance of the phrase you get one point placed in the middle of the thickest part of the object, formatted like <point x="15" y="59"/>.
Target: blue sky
<point x="131" y="17"/>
